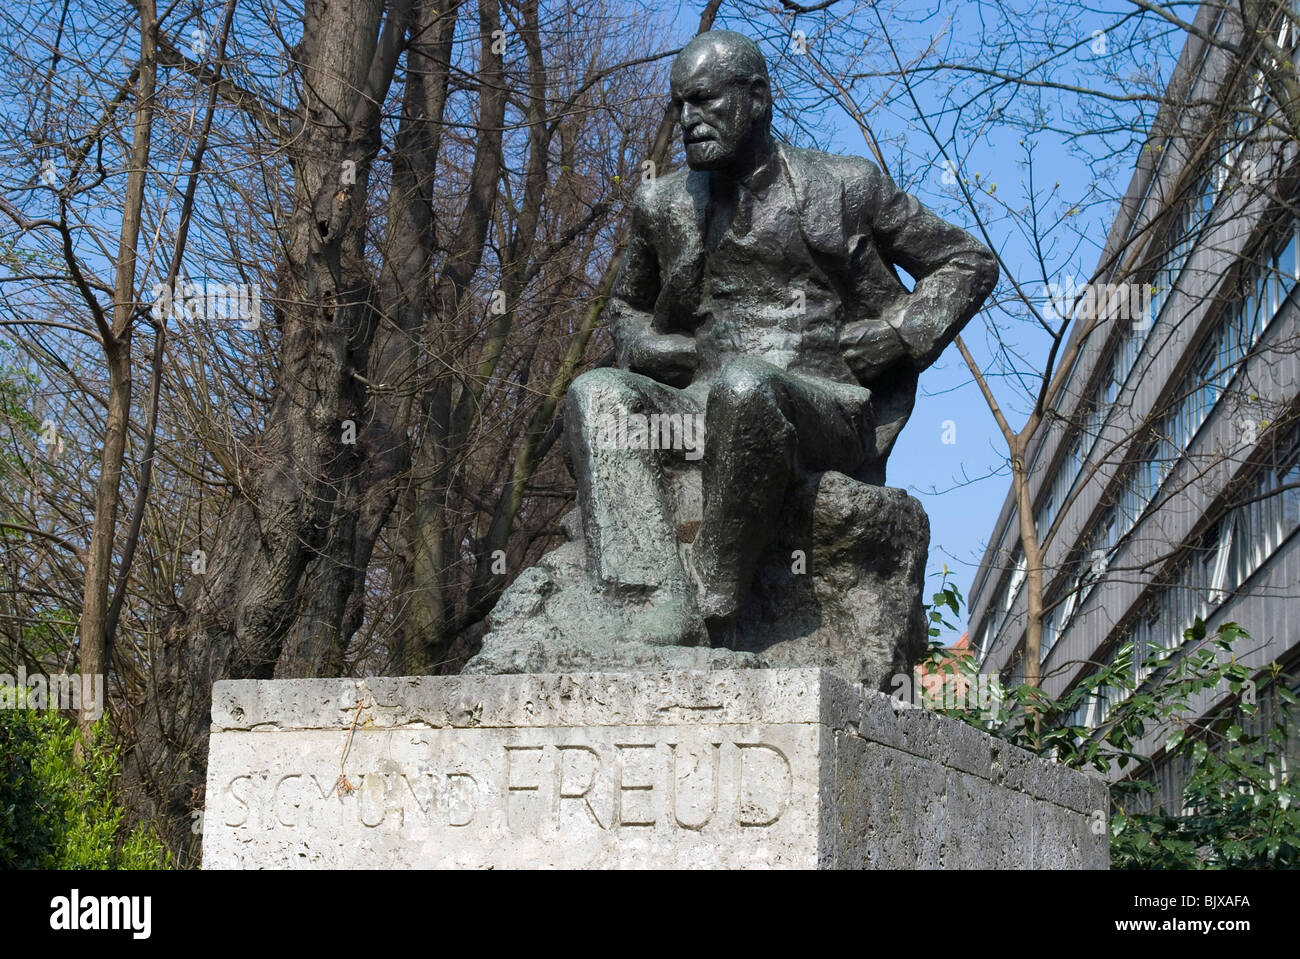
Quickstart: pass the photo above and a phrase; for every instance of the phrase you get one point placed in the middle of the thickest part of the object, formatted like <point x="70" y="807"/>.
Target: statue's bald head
<point x="735" y="56"/>
<point x="719" y="80"/>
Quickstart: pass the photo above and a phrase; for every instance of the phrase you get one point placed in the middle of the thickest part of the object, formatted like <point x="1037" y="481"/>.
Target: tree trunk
<point x="233" y="619"/>
<point x="1033" y="569"/>
<point x="426" y="535"/>
<point x="116" y="342"/>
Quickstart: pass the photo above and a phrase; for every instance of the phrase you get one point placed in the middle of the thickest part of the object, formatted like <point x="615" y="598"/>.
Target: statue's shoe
<point x="717" y="608"/>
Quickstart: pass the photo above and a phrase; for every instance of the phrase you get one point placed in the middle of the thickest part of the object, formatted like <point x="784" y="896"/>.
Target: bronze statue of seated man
<point x="759" y="291"/>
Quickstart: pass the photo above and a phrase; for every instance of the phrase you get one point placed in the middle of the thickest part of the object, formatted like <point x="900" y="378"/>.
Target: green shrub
<point x="57" y="808"/>
<point x="1240" y="804"/>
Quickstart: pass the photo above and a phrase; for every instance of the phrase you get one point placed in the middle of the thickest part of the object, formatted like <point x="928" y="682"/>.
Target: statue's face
<point x="720" y="114"/>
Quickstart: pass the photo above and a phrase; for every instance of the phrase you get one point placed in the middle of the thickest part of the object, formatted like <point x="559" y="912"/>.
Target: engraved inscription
<point x="643" y="785"/>
<point x="386" y="798"/>
<point x="532" y="789"/>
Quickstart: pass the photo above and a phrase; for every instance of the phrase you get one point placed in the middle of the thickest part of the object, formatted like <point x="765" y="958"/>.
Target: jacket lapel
<point x="683" y="259"/>
<point x="824" y="234"/>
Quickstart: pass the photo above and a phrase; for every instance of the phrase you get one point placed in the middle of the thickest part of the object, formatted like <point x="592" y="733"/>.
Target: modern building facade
<point x="1166" y="485"/>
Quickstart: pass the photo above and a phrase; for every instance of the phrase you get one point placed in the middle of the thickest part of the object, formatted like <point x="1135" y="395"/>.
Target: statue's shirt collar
<point x="759" y="181"/>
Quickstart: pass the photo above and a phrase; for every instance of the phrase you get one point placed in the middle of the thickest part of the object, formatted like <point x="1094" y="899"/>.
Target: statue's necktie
<point x="743" y="217"/>
<point x="722" y="209"/>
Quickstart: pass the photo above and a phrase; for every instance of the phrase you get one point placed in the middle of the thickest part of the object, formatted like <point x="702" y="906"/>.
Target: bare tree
<point x="421" y="203"/>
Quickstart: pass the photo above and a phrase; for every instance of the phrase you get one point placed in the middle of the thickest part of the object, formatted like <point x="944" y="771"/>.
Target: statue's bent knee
<point x="603" y="390"/>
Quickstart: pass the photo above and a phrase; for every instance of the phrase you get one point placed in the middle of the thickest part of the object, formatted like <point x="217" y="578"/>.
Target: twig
<point x="341" y="785"/>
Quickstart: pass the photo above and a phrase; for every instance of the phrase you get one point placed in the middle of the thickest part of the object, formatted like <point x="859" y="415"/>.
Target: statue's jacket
<point x="857" y="226"/>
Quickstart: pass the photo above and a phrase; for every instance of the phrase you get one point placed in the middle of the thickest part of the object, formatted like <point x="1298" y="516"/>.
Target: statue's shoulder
<point x="664" y="191"/>
<point x="817" y="165"/>
<point x="662" y="195"/>
<point x="829" y="178"/>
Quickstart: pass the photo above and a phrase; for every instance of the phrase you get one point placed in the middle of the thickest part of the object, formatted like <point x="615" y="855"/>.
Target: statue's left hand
<point x="870" y="347"/>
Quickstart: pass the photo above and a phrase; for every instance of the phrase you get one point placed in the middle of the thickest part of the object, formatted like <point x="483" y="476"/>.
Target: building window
<point x="1017" y="580"/>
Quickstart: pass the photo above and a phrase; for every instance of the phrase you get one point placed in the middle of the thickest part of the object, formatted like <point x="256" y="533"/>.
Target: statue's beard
<point x="723" y="153"/>
<point x="707" y="155"/>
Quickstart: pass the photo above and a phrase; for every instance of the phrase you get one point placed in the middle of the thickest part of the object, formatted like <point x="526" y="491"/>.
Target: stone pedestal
<point x="686" y="769"/>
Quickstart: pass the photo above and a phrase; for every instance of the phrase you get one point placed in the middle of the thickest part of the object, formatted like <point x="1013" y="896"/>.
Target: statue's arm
<point x="639" y="345"/>
<point x="954" y="274"/>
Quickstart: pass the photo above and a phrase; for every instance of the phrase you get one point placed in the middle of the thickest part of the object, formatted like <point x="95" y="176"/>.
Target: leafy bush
<point x="57" y="809"/>
<point x="1240" y="804"/>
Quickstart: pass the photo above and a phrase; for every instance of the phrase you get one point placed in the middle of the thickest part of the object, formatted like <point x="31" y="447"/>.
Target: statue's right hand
<point x="667" y="357"/>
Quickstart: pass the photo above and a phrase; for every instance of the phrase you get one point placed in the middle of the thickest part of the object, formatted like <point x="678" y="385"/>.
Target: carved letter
<point x="325" y="799"/>
<point x="647" y="816"/>
<point x="230" y="790"/>
<point x="427" y="804"/>
<point x="774" y="781"/>
<point x="512" y="786"/>
<point x="372" y="788"/>
<point x="561" y="794"/>
<point x="672" y="788"/>
<point x="276" y="800"/>
<point x="469" y="804"/>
